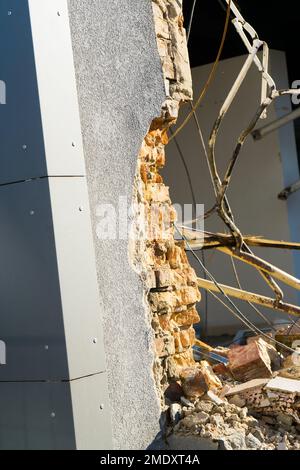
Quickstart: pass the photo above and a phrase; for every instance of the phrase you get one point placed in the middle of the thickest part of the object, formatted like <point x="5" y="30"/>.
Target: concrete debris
<point x="254" y="385"/>
<point x="234" y="413"/>
<point x="186" y="402"/>
<point x="281" y="384"/>
<point x="213" y="397"/>
<point x="290" y="373"/>
<point x="237" y="400"/>
<point x="233" y="428"/>
<point x="175" y="413"/>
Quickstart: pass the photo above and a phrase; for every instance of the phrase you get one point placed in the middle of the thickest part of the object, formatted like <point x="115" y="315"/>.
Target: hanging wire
<point x="259" y="313"/>
<point x="263" y="317"/>
<point x="211" y="75"/>
<point x="189" y="29"/>
<point x="195" y="208"/>
<point x="236" y="311"/>
<point x="233" y="308"/>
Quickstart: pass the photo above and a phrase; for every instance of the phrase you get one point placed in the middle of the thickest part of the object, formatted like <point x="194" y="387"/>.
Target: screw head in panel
<point x="53" y="414"/>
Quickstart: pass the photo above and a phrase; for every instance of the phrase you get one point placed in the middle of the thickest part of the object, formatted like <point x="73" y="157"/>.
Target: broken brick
<point x="184" y="339"/>
<point x="155" y="192"/>
<point x="197" y="381"/>
<point x="163" y="276"/>
<point x="250" y="362"/>
<point x="174" y="391"/>
<point x="175" y="364"/>
<point x="164" y="346"/>
<point x="187" y="317"/>
<point x="168" y="301"/>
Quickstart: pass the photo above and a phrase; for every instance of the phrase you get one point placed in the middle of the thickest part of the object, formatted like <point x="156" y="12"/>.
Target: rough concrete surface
<point x="120" y="89"/>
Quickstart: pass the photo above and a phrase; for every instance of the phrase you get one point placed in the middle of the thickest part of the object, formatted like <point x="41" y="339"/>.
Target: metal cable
<point x="249" y="303"/>
<point x="261" y="315"/>
<point x="191" y="21"/>
<point x="234" y="310"/>
<point x="195" y="208"/>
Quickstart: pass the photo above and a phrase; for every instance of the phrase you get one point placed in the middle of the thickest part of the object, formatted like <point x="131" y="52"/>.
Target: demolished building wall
<point x="161" y="261"/>
<point x="122" y="94"/>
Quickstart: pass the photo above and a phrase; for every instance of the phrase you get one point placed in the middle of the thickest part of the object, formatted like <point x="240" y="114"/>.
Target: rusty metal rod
<point x="264" y="266"/>
<point x="250" y="297"/>
<point x="207" y="240"/>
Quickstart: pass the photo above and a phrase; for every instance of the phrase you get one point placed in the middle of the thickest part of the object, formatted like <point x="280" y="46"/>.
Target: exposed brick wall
<point x="172" y="291"/>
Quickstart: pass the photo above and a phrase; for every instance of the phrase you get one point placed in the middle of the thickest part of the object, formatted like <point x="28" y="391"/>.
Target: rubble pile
<point x="250" y="403"/>
<point x="233" y="428"/>
<point x="278" y="398"/>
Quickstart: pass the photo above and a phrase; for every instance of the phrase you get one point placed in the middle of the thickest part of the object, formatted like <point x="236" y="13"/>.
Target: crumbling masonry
<point x="171" y="283"/>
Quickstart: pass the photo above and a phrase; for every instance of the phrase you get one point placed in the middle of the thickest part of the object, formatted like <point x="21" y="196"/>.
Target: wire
<point x="237" y="312"/>
<point x="191" y="21"/>
<point x="195" y="208"/>
<point x="186" y="170"/>
<point x="222" y="5"/>
<point x="261" y="315"/>
<point x="249" y="303"/>
<point x="234" y="310"/>
<point x="258" y="312"/>
<point x="211" y="75"/>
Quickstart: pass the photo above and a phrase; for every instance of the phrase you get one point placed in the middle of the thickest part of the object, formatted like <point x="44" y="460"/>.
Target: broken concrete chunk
<point x="282" y="418"/>
<point x="293" y="360"/>
<point x="234" y="441"/>
<point x="214" y="398"/>
<point x="175" y="411"/>
<point x="217" y="420"/>
<point x="186" y="402"/>
<point x="251" y="361"/>
<point x="282" y="384"/>
<point x="202" y="417"/>
<point x="247" y="386"/>
<point x="237" y="401"/>
<point x="252" y="442"/>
